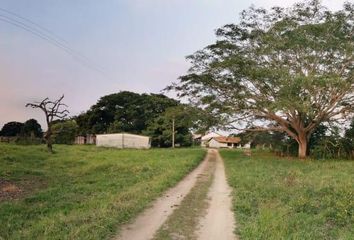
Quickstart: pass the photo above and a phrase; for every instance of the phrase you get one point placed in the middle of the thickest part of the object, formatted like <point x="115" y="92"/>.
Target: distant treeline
<point x="29" y="132"/>
<point x="326" y="142"/>
<point x="147" y="114"/>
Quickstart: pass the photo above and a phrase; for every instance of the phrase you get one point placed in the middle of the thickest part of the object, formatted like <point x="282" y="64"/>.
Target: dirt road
<point x="146" y="225"/>
<point x="217" y="221"/>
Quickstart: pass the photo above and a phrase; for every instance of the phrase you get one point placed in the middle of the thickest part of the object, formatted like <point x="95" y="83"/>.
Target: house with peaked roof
<point x="224" y="142"/>
<point x="206" y="138"/>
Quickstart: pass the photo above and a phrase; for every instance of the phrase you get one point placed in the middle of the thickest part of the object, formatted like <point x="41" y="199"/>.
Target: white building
<point x="206" y="138"/>
<point x="224" y="142"/>
<point x="123" y="140"/>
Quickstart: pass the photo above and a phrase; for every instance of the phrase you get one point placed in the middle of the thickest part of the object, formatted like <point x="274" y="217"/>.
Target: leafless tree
<point x="53" y="110"/>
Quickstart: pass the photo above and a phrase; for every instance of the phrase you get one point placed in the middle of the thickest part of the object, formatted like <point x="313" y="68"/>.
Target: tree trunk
<point x="302" y="141"/>
<point x="50" y="146"/>
<point x="48" y="140"/>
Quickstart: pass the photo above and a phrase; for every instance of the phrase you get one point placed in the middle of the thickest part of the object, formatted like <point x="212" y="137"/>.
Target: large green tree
<point x="284" y="69"/>
<point x="123" y="112"/>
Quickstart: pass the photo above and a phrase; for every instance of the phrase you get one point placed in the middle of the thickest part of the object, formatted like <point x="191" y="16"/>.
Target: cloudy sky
<point x="139" y="45"/>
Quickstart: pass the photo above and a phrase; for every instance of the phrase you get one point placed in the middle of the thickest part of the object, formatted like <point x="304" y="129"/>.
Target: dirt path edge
<point x="149" y="221"/>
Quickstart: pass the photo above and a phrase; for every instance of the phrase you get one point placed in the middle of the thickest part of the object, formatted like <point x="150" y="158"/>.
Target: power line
<point x="34" y="24"/>
<point x="50" y="38"/>
<point x="24" y="27"/>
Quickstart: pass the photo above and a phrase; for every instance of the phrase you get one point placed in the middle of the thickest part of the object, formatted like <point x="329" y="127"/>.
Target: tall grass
<point x="278" y="198"/>
<point x="84" y="192"/>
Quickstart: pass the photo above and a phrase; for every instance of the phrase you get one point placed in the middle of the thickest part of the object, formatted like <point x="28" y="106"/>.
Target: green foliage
<point x="287" y="68"/>
<point x="276" y="141"/>
<point x="12" y="129"/>
<point x="64" y="132"/>
<point x="329" y="146"/>
<point x="149" y="114"/>
<point x="325" y="142"/>
<point x="27" y="133"/>
<point x="32" y="128"/>
<point x="185" y="118"/>
<point x="123" y="112"/>
<point x="277" y="198"/>
<point x="84" y="192"/>
<point x="348" y="141"/>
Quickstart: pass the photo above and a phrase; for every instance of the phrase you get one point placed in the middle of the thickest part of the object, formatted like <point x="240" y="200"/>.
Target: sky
<point x="134" y="45"/>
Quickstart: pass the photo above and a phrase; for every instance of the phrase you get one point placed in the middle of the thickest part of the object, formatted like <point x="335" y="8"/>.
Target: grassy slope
<point x="291" y="199"/>
<point x="86" y="192"/>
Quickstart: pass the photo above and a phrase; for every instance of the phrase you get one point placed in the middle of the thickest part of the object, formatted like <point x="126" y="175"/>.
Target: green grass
<point x="84" y="192"/>
<point x="278" y="198"/>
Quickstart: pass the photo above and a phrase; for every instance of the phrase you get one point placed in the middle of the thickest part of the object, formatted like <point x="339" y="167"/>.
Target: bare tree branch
<point x="53" y="110"/>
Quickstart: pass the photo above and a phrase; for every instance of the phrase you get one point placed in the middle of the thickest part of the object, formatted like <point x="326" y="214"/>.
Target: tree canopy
<point x="123" y="112"/>
<point x="148" y="114"/>
<point x="31" y="128"/>
<point x="11" y="129"/>
<point x="64" y="132"/>
<point x="283" y="69"/>
<point x="184" y="118"/>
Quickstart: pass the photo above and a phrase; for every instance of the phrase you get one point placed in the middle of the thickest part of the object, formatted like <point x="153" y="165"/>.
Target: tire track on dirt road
<point x="149" y="221"/>
<point x="196" y="208"/>
<point x="219" y="222"/>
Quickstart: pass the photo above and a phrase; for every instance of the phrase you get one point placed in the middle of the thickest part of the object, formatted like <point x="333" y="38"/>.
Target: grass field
<point x="278" y="198"/>
<point x="82" y="192"/>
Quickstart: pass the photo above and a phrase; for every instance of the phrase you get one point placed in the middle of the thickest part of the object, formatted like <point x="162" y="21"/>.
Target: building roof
<point x="123" y="134"/>
<point x="210" y="135"/>
<point x="227" y="139"/>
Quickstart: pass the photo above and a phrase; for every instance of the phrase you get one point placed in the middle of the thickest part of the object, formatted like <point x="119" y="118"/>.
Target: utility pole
<point x="173" y="132"/>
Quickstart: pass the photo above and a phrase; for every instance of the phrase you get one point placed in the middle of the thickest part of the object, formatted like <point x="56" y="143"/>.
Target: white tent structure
<point x="123" y="140"/>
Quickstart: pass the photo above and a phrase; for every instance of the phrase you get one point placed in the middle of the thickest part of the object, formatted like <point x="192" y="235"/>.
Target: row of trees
<point x="30" y="132"/>
<point x="155" y="115"/>
<point x="30" y="128"/>
<point x="148" y="114"/>
<point x="325" y="142"/>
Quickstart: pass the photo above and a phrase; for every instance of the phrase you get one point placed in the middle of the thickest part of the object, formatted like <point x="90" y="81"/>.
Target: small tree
<point x="53" y="110"/>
